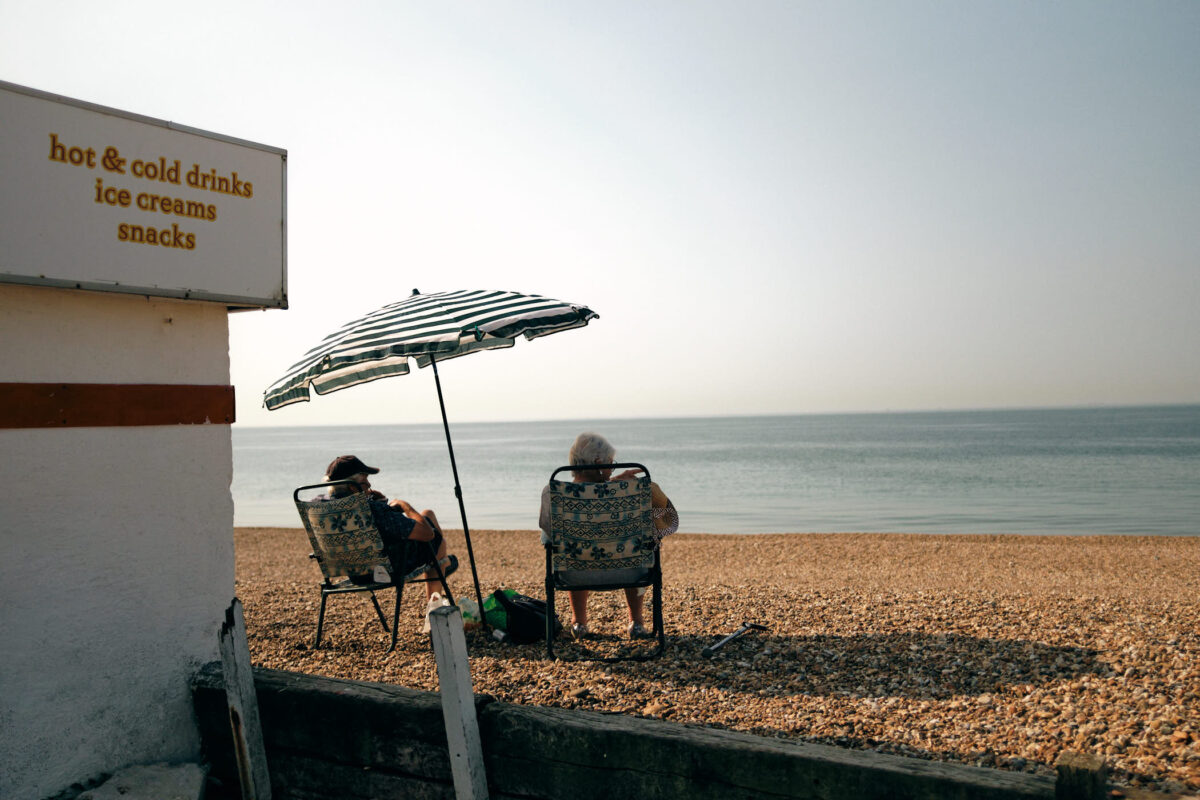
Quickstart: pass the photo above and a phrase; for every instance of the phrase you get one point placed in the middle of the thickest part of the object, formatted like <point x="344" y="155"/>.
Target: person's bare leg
<point x="634" y="600"/>
<point x="579" y="598"/>
<point x="432" y="584"/>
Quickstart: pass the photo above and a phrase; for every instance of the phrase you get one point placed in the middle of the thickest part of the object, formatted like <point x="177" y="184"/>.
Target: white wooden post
<point x="458" y="704"/>
<point x="243" y="706"/>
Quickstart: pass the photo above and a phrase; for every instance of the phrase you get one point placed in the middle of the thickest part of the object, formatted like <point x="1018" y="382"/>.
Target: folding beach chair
<point x="603" y="538"/>
<point x="346" y="544"/>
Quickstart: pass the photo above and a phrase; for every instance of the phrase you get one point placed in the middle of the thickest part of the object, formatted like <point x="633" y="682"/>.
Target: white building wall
<point x="116" y="546"/>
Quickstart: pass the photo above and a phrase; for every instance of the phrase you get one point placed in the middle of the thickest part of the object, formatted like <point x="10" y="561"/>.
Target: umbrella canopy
<point x="424" y="327"/>
<point x="428" y="328"/>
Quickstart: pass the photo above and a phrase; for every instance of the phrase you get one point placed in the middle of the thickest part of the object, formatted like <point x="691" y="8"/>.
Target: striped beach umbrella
<point x="427" y="328"/>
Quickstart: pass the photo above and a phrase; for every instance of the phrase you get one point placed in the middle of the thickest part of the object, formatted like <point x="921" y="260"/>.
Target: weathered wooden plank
<point x="369" y="724"/>
<point x="212" y="717"/>
<point x="374" y="727"/>
<point x="1081" y="776"/>
<point x="302" y="777"/>
<point x="242" y="702"/>
<point x="555" y="753"/>
<point x="458" y="704"/>
<point x="332" y="738"/>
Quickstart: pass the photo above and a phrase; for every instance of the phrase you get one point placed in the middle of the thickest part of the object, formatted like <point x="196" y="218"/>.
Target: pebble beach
<point x="997" y="651"/>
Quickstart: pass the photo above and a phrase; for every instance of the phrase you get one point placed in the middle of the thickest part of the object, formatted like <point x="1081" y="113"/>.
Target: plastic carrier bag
<point x="522" y="618"/>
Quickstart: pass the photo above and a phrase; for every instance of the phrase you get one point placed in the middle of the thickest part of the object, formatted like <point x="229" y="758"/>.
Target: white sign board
<point x="100" y="199"/>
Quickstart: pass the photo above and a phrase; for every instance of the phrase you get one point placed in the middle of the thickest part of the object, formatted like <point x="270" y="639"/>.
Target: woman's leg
<point x="579" y="598"/>
<point x="634" y="600"/>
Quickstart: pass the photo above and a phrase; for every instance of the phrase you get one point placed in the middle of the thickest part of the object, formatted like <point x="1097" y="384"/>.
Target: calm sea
<point x="1060" y="471"/>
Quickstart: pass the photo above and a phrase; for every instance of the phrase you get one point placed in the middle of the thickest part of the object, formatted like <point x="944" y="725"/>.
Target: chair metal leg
<point x="320" y="621"/>
<point x="396" y="615"/>
<point x="550" y="610"/>
<point x="379" y="612"/>
<point x="659" y="627"/>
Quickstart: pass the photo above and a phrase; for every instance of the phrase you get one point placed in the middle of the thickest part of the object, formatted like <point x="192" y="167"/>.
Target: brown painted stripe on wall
<point x="99" y="405"/>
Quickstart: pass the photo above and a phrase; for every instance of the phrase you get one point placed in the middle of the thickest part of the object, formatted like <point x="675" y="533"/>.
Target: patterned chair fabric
<point x="603" y="537"/>
<point x="343" y="535"/>
<point x="601" y="526"/>
<point x="346" y="543"/>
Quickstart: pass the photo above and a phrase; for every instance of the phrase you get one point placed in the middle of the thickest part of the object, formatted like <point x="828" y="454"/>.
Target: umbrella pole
<point x="462" y="510"/>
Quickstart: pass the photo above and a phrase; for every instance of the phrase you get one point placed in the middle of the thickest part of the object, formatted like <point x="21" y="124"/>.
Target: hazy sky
<point x="775" y="207"/>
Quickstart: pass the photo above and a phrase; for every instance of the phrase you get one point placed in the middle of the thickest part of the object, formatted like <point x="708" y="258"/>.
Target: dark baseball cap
<point x="344" y="467"/>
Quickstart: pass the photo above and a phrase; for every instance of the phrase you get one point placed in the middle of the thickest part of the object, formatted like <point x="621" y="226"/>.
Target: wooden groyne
<point x="331" y="738"/>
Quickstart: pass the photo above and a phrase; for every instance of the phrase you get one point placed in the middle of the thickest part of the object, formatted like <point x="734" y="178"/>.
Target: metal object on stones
<point x="742" y="631"/>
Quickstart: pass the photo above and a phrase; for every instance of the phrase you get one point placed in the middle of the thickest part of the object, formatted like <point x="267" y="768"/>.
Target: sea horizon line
<point x="764" y="415"/>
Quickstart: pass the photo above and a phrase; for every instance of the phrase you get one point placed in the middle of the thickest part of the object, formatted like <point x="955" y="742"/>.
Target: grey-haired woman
<point x="592" y="448"/>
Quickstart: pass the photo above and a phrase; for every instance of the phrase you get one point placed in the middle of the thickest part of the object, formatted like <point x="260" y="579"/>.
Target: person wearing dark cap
<point x="397" y="520"/>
